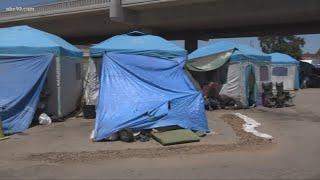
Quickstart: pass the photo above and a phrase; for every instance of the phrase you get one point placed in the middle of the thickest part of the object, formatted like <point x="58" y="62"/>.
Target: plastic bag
<point x="44" y="119"/>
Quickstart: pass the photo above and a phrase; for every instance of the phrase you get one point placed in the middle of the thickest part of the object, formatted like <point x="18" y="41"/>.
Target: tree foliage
<point x="291" y="45"/>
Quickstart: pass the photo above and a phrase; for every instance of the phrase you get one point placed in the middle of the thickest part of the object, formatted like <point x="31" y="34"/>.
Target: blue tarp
<point x="279" y="58"/>
<point x="140" y="44"/>
<point x="21" y="81"/>
<point x="29" y="41"/>
<point x="242" y="52"/>
<point x="142" y="92"/>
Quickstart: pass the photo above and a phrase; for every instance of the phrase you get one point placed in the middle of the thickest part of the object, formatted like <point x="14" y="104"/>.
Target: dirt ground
<point x="64" y="151"/>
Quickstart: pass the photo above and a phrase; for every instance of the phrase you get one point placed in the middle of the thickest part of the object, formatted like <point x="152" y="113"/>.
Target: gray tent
<point x="240" y="70"/>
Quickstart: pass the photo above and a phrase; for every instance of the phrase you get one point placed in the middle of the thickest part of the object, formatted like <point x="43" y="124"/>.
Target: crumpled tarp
<point x="142" y="92"/>
<point x="209" y="63"/>
<point x="241" y="52"/>
<point x="21" y="82"/>
<point x="91" y="84"/>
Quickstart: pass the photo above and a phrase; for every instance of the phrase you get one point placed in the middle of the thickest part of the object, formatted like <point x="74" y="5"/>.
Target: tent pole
<point x="58" y="75"/>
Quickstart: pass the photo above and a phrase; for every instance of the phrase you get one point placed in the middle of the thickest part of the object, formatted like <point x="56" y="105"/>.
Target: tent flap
<point x="209" y="63"/>
<point x="143" y="92"/>
<point x="241" y="52"/>
<point x="21" y="82"/>
<point x="91" y="84"/>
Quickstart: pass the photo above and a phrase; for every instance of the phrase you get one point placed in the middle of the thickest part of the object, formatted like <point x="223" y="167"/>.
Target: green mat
<point x="1" y="130"/>
<point x="178" y="136"/>
<point x="2" y="137"/>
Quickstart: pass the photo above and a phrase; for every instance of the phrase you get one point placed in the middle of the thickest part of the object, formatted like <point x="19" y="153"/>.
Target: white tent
<point x="240" y="73"/>
<point x="285" y="69"/>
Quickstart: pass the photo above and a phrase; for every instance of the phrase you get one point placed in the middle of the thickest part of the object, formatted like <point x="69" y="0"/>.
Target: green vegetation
<point x="291" y="45"/>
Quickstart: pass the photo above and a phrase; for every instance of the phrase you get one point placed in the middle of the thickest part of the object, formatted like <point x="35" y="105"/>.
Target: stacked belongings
<point x="237" y="71"/>
<point x="280" y="99"/>
<point x="283" y="98"/>
<point x="24" y="46"/>
<point x="268" y="98"/>
<point x="143" y="86"/>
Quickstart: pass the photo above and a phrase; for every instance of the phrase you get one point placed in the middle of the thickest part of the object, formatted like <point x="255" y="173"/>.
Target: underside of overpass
<point x="180" y="19"/>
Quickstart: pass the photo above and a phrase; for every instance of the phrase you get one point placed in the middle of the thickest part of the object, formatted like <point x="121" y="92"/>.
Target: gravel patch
<point x="244" y="138"/>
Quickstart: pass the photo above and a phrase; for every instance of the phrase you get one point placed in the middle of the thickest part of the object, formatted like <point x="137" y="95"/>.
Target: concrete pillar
<point x="191" y="45"/>
<point x="116" y="11"/>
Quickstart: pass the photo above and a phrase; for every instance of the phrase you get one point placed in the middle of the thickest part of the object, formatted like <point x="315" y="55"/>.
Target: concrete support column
<point x="116" y="11"/>
<point x="191" y="45"/>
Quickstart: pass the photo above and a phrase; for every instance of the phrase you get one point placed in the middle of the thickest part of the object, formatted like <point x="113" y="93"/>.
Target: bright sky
<point x="312" y="42"/>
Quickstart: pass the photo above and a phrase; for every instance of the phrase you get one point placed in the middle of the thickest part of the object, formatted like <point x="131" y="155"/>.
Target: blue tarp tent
<point x="234" y="67"/>
<point x="139" y="44"/>
<point x="135" y="43"/>
<point x="21" y="81"/>
<point x="27" y="40"/>
<point x="146" y="90"/>
<point x="285" y="69"/>
<point x="64" y="82"/>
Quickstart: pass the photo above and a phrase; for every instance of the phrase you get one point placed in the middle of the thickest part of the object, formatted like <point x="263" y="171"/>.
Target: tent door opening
<point x="217" y="77"/>
<point x="250" y="85"/>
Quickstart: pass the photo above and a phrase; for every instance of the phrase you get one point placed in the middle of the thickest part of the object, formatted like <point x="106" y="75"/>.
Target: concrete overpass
<point x="90" y="21"/>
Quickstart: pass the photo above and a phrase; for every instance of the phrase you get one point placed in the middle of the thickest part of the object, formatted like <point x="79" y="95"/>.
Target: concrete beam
<point x="312" y="27"/>
<point x="178" y="19"/>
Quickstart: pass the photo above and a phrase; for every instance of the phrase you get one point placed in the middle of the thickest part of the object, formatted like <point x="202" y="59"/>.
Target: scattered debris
<point x="250" y="125"/>
<point x="114" y="137"/>
<point x="92" y="135"/>
<point x="126" y="135"/>
<point x="44" y="119"/>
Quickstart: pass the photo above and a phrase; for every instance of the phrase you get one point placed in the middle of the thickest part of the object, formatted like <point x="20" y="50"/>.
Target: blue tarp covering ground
<point x="21" y="81"/>
<point x="27" y="40"/>
<point x="143" y="92"/>
<point x="242" y="52"/>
